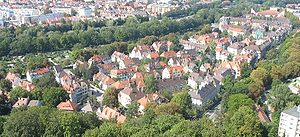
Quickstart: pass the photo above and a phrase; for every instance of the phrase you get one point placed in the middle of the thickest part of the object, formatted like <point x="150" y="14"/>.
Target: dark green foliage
<point x="46" y="81"/>
<point x="43" y="121"/>
<point x="18" y="92"/>
<point x="110" y="97"/>
<point x="53" y="96"/>
<point x="4" y="107"/>
<point x="150" y="84"/>
<point x="5" y="85"/>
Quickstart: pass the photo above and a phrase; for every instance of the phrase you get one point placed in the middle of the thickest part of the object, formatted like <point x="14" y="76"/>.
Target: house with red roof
<point x="37" y="73"/>
<point x="67" y="106"/>
<point x="140" y="52"/>
<point x="109" y="113"/>
<point x="129" y="94"/>
<point x="172" y="72"/>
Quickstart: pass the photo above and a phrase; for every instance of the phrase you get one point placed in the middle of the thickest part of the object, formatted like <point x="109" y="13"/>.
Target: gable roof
<point x="21" y="102"/>
<point x="133" y="93"/>
<point x="121" y="84"/>
<point x="68" y="106"/>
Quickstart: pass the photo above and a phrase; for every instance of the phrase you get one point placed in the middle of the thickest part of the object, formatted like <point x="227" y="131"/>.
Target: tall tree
<point x="244" y="122"/>
<point x="5" y="85"/>
<point x="150" y="84"/>
<point x="183" y="99"/>
<point x="110" y="97"/>
<point x="53" y="96"/>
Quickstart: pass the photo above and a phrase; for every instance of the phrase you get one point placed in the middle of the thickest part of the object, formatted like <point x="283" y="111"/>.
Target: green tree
<point x="105" y="130"/>
<point x="209" y="129"/>
<point x="133" y="109"/>
<point x="244" y="122"/>
<point x="165" y="122"/>
<point x="53" y="96"/>
<point x="4" y="106"/>
<point x="2" y="121"/>
<point x="183" y="99"/>
<point x="63" y="123"/>
<point x="237" y="100"/>
<point x="245" y="70"/>
<point x="185" y="129"/>
<point x="150" y="84"/>
<point x="260" y="74"/>
<point x="46" y="82"/>
<point x="23" y="124"/>
<point x="169" y="108"/>
<point x="5" y="85"/>
<point x="18" y="92"/>
<point x="110" y="97"/>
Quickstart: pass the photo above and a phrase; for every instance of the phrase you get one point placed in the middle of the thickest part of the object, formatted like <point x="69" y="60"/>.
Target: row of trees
<point x="23" y="40"/>
<point x="44" y="121"/>
<point x="271" y="74"/>
<point x="32" y="40"/>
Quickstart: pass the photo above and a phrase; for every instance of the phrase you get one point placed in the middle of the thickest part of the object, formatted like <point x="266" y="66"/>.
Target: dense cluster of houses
<point x="202" y="64"/>
<point x="17" y="12"/>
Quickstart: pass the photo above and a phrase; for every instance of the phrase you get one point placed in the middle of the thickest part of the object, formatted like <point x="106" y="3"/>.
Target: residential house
<point x="195" y="79"/>
<point x="153" y="97"/>
<point x="168" y="54"/>
<point x="109" y="113"/>
<point x="162" y="46"/>
<point x="289" y="123"/>
<point x="128" y="94"/>
<point x="123" y="74"/>
<point x="99" y="59"/>
<point x="13" y="78"/>
<point x="78" y="90"/>
<point x="21" y="102"/>
<point x="233" y="65"/>
<point x="221" y="54"/>
<point x="172" y="72"/>
<point x="105" y="68"/>
<point x="206" y="67"/>
<point x="88" y="108"/>
<point x="188" y="45"/>
<point x="18" y="82"/>
<point x="153" y="56"/>
<point x="117" y="56"/>
<point x="208" y="90"/>
<point x="223" y="42"/>
<point x="67" y="106"/>
<point x="140" y="52"/>
<point x="104" y="81"/>
<point x="236" y="30"/>
<point x="37" y="73"/>
<point x="119" y="85"/>
<point x="34" y="103"/>
<point x="173" y="62"/>
<point x="236" y="48"/>
<point x="126" y="63"/>
<point x="220" y="73"/>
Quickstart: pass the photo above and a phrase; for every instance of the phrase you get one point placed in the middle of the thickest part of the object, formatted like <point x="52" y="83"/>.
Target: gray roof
<point x="34" y="103"/>
<point x="208" y="92"/>
<point x="295" y="111"/>
<point x="133" y="93"/>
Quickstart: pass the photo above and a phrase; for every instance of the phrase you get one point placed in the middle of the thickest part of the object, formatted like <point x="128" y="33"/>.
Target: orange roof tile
<point x="143" y="101"/>
<point x="68" y="106"/>
<point x="121" y="84"/>
<point x="269" y="12"/>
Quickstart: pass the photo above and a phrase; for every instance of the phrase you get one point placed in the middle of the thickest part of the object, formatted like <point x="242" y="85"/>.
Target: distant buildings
<point x="289" y="125"/>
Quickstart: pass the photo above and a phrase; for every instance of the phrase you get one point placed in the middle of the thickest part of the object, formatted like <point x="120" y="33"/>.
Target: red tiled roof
<point x="68" y="106"/>
<point x="269" y="12"/>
